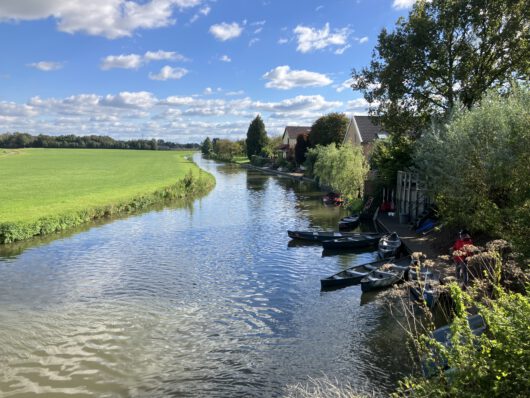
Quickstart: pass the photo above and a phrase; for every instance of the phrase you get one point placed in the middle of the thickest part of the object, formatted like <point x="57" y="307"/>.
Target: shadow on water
<point x="12" y="250"/>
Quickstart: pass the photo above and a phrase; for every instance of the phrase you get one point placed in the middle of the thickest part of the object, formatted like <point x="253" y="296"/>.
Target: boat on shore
<point x="426" y="292"/>
<point x="351" y="242"/>
<point x="387" y="275"/>
<point x="349" y="222"/>
<point x="321" y="236"/>
<point x="389" y="245"/>
<point x="350" y="276"/>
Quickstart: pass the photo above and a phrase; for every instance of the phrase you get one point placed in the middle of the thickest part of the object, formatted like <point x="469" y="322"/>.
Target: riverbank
<point x="50" y="190"/>
<point x="268" y="170"/>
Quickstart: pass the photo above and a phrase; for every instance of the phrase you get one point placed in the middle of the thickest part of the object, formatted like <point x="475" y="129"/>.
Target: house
<point x="289" y="137"/>
<point x="362" y="131"/>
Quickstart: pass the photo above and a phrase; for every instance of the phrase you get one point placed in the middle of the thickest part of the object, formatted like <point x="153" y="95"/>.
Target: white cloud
<point x="46" y="66"/>
<point x="401" y="4"/>
<point x="363" y="40"/>
<point x="340" y="51"/>
<point x="283" y="78"/>
<point x="311" y="39"/>
<point x="134" y="61"/>
<point x="253" y="41"/>
<point x="358" y="106"/>
<point x="345" y="85"/>
<point x="125" y="99"/>
<point x="225" y="31"/>
<point x="167" y="73"/>
<point x="283" y="41"/>
<point x="108" y="18"/>
<point x="226" y="58"/>
<point x="201" y="13"/>
<point x="130" y="61"/>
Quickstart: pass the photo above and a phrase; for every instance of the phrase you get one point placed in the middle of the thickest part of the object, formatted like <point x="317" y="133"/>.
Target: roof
<point x="368" y="130"/>
<point x="295" y="131"/>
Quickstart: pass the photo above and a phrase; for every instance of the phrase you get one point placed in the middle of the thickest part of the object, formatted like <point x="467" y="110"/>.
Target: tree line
<point x="25" y="140"/>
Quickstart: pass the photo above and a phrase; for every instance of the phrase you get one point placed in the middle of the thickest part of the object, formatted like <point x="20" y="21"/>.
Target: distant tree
<point x="271" y="149"/>
<point x="207" y="147"/>
<point x="344" y="169"/>
<point x="329" y="129"/>
<point x="302" y="144"/>
<point x="256" y="137"/>
<point x="445" y="53"/>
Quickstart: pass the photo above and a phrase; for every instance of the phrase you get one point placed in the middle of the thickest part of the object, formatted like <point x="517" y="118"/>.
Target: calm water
<point x="206" y="300"/>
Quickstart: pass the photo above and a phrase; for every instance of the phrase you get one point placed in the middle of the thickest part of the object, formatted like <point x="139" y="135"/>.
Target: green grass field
<point x="43" y="183"/>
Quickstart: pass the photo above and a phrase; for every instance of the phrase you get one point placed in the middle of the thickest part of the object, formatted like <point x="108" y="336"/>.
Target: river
<point x="203" y="300"/>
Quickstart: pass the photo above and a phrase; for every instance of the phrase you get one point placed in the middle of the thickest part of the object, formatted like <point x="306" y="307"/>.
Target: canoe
<point x="389" y="245"/>
<point x="426" y="292"/>
<point x="352" y="242"/>
<point x="320" y="236"/>
<point x="350" y="276"/>
<point x="442" y="335"/>
<point x="379" y="279"/>
<point x="349" y="222"/>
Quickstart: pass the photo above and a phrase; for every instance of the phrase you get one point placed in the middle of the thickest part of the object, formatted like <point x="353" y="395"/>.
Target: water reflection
<point x="205" y="303"/>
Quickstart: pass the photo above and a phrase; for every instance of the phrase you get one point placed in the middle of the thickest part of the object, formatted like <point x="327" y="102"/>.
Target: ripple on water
<point x="201" y="301"/>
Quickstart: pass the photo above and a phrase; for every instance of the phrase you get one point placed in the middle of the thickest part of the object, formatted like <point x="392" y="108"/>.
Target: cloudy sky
<point x="181" y="70"/>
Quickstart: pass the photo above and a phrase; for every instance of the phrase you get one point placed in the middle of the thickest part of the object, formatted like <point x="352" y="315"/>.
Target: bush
<point x="477" y="167"/>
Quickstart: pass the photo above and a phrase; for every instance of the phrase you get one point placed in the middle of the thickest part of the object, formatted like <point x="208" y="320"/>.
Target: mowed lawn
<point x="41" y="182"/>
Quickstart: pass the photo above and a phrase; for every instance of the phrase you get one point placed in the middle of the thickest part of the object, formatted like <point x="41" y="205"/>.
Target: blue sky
<point x="181" y="70"/>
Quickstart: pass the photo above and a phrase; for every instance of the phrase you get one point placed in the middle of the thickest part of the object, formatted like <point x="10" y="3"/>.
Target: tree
<point x="271" y="149"/>
<point x="329" y="129"/>
<point x="207" y="147"/>
<point x="344" y="169"/>
<point x="446" y="53"/>
<point x="256" y="137"/>
<point x="477" y="166"/>
<point x="302" y="144"/>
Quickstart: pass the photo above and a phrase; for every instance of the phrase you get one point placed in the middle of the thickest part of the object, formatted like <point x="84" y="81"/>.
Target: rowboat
<point x="379" y="278"/>
<point x="349" y="222"/>
<point x="352" y="242"/>
<point x="426" y="292"/>
<point x="389" y="245"/>
<point x="320" y="236"/>
<point x="350" y="276"/>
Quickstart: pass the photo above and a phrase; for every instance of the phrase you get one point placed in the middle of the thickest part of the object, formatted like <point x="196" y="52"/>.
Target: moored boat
<point x="389" y="245"/>
<point x="385" y="276"/>
<point x="333" y="198"/>
<point x="320" y="236"/>
<point x="350" y="276"/>
<point x="426" y="292"/>
<point x="349" y="222"/>
<point x="352" y="242"/>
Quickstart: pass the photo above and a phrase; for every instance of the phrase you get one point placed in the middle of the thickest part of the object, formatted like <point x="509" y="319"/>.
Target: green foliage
<point x="48" y="190"/>
<point x="477" y="167"/>
<point x="207" y="147"/>
<point x="226" y="150"/>
<point x="300" y="150"/>
<point x="444" y="53"/>
<point x="256" y="137"/>
<point x="493" y="364"/>
<point x="329" y="129"/>
<point x="390" y="156"/>
<point x="344" y="169"/>
<point x="271" y="149"/>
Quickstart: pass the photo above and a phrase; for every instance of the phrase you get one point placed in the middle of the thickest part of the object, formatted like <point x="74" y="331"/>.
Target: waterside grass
<point x="43" y="191"/>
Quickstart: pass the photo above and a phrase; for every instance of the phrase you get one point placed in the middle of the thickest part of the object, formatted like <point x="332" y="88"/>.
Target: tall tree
<point x="302" y="144"/>
<point x="329" y="129"/>
<point x="207" y="147"/>
<point x="447" y="52"/>
<point x="256" y="137"/>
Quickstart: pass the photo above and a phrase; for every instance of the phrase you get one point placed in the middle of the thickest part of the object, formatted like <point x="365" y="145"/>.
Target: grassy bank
<point x="48" y="190"/>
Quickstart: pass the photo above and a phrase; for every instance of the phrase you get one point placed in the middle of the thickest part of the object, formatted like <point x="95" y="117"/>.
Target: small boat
<point x="419" y="274"/>
<point x="332" y="198"/>
<point x="349" y="222"/>
<point x="389" y="245"/>
<point x="350" y="276"/>
<point x="352" y="242"/>
<point x="384" y="276"/>
<point x="425" y="292"/>
<point x="442" y="335"/>
<point x="321" y="236"/>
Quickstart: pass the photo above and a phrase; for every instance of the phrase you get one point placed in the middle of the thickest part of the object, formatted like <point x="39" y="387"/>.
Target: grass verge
<point x="49" y="190"/>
